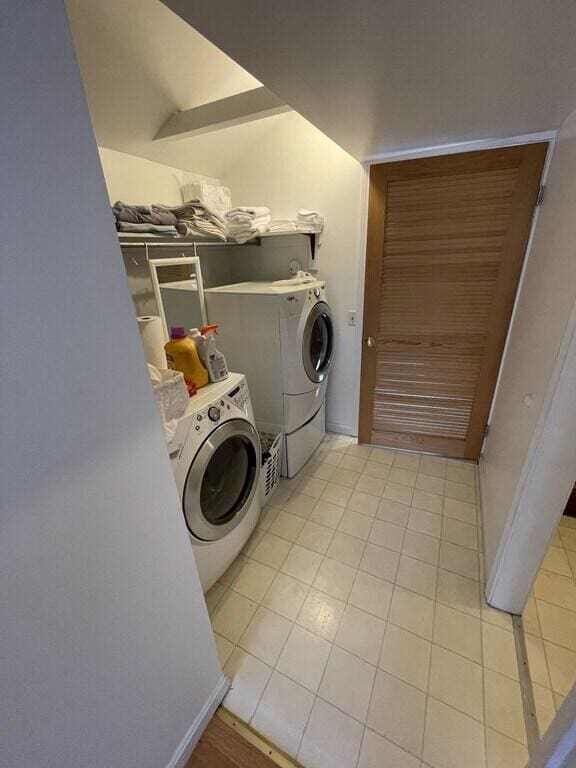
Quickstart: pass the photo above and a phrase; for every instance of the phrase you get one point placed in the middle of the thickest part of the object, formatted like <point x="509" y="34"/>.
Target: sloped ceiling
<point x="141" y="63"/>
<point x="382" y="75"/>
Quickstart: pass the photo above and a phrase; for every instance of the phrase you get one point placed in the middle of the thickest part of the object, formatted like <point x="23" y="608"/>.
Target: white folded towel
<point x="313" y="218"/>
<point x="283" y="225"/>
<point x="313" y="222"/>
<point x="245" y="222"/>
<point x="240" y="223"/>
<point x="241" y="233"/>
<point x="253" y="211"/>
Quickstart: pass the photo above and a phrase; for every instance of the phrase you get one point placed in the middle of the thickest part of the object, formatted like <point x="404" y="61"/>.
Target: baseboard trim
<point x="188" y="743"/>
<point x="340" y="429"/>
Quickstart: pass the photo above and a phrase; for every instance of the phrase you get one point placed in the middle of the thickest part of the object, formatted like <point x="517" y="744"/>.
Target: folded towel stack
<point x="310" y="221"/>
<point x="246" y="222"/>
<point x="194" y="218"/>
<point x="144" y="218"/>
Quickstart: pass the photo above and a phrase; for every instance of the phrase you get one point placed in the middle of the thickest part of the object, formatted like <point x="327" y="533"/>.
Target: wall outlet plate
<point x="294" y="266"/>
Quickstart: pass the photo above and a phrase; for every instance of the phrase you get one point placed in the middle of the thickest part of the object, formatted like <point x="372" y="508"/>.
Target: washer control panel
<point x="238" y="396"/>
<point x="214" y="413"/>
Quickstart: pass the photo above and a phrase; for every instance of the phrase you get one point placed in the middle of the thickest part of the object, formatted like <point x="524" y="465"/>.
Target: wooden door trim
<point x="372" y="281"/>
<point x="513" y="255"/>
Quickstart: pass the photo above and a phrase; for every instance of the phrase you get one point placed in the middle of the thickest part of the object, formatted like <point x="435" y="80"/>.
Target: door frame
<point x="557" y="748"/>
<point x="415" y="154"/>
<point x="544" y="486"/>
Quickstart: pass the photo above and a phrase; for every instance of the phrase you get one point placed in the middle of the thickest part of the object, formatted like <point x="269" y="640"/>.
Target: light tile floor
<point x="549" y="621"/>
<point x="353" y="625"/>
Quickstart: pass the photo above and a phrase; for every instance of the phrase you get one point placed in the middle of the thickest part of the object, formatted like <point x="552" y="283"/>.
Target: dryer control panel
<point x="294" y="303"/>
<point x="317" y="293"/>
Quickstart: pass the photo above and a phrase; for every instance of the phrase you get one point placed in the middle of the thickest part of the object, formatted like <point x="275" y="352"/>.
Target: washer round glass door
<point x="318" y="342"/>
<point x="222" y="480"/>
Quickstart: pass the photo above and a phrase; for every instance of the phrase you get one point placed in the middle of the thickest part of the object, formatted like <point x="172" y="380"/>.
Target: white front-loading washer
<point x="216" y="460"/>
<point x="282" y="337"/>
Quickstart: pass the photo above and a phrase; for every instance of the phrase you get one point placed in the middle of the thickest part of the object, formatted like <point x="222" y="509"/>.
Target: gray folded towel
<point x="143" y="214"/>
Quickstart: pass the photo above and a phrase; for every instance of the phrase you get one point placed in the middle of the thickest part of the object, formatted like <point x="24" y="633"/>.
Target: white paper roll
<point x="152" y="336"/>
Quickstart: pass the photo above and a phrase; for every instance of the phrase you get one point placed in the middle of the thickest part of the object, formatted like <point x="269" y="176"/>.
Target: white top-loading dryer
<point x="282" y="338"/>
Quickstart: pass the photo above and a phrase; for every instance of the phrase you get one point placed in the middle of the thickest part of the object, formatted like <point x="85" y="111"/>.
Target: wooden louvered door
<point x="446" y="242"/>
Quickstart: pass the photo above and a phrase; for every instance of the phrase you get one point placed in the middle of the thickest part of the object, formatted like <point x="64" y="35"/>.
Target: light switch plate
<point x="352" y="317"/>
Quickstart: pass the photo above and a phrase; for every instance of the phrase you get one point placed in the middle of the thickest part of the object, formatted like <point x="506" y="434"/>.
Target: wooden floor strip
<point x="526" y="689"/>
<point x="230" y="743"/>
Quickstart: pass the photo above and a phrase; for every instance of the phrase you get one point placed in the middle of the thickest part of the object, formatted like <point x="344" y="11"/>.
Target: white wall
<point x="136" y="180"/>
<point x="140" y="64"/>
<point x="546" y="301"/>
<point x="292" y="165"/>
<point x="107" y="653"/>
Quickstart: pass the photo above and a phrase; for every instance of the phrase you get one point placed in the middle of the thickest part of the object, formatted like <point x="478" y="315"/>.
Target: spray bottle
<point x="214" y="360"/>
<point x="200" y="342"/>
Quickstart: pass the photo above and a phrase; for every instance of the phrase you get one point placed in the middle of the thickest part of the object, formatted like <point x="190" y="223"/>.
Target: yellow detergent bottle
<point x="182" y="355"/>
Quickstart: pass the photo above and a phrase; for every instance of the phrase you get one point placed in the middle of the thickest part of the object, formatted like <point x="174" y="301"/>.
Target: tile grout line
<point x="378" y="668"/>
<point x="324" y="556"/>
<point x="547" y="663"/>
<point x="259" y="604"/>
<point x="294" y="624"/>
<point x="387" y="620"/>
<point x="427" y="697"/>
<point x="526" y="690"/>
<point x="544" y="642"/>
<point x="333" y="643"/>
<point x="274" y="668"/>
<point x="480" y="526"/>
<point x="393" y="584"/>
<point x="291" y="491"/>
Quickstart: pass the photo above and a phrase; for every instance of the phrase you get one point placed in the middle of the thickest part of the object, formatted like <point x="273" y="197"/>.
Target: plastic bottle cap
<point x="209" y="329"/>
<point x="178" y="332"/>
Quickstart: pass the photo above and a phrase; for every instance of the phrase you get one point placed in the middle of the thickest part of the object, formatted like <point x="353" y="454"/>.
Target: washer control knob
<point x="214" y="413"/>
<point x="317" y="292"/>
